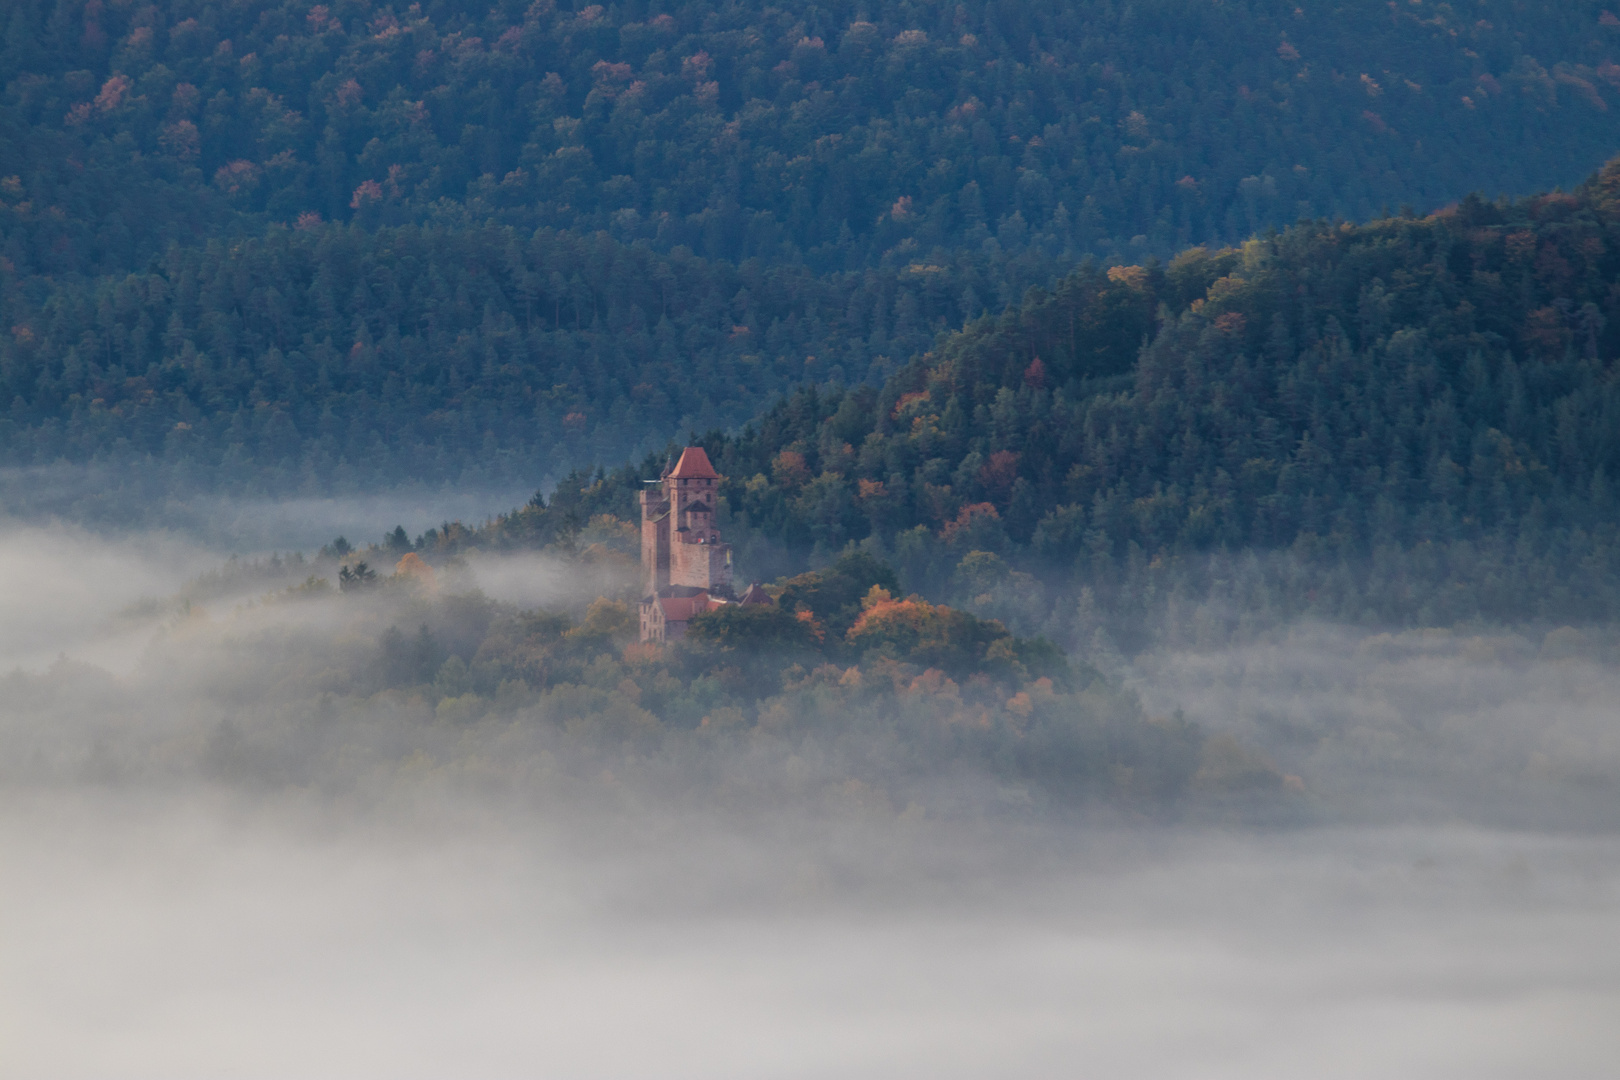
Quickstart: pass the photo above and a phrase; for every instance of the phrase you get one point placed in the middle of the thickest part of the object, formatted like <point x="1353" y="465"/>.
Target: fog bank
<point x="171" y="941"/>
<point x="1517" y="726"/>
<point x="124" y="500"/>
<point x="218" y="866"/>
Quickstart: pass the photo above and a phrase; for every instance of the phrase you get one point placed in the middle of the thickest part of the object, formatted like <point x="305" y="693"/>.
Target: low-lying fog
<point x="1407" y="923"/>
<point x="118" y="499"/>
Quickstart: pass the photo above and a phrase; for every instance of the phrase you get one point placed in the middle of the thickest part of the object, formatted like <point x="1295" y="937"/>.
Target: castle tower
<point x="682" y="555"/>
<point x="654" y="538"/>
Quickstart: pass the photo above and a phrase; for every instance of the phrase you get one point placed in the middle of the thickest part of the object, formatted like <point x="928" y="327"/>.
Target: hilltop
<point x="1411" y="419"/>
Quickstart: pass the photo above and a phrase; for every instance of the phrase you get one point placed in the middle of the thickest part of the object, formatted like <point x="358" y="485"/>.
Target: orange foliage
<point x="808" y="617"/>
<point x="999" y="473"/>
<point x="965" y="517"/>
<point x="790" y="469"/>
<point x="886" y="614"/>
<point x="369" y="191"/>
<point x="411" y="566"/>
<point x="872" y="489"/>
<point x="907" y="400"/>
<point x="237" y="177"/>
<point x="918" y="632"/>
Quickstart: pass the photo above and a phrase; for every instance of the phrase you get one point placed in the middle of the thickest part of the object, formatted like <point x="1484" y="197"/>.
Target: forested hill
<point x="337" y="358"/>
<point x="1421" y="414"/>
<point x="284" y="246"/>
<point x="838" y="133"/>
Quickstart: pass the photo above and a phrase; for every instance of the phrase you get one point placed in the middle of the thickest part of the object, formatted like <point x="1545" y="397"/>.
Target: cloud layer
<point x="418" y="919"/>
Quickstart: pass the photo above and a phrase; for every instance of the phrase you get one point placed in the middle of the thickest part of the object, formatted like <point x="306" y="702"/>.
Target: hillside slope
<point x="318" y="359"/>
<point x="283" y="246"/>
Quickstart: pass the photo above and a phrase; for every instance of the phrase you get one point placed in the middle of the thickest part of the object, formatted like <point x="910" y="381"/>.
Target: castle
<point x="685" y="567"/>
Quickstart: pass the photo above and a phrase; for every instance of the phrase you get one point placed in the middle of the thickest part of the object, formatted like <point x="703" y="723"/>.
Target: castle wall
<point x="706" y="566"/>
<point x="654" y="542"/>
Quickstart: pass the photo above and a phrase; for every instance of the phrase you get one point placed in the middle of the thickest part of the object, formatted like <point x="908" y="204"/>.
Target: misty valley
<point x="520" y="676"/>
<point x="466" y="799"/>
<point x="809" y="540"/>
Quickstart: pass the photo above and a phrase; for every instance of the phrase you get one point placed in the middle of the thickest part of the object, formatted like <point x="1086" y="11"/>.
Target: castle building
<point x="685" y="566"/>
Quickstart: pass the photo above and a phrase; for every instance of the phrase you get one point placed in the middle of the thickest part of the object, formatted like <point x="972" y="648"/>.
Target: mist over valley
<point x="966" y="540"/>
<point x="212" y="829"/>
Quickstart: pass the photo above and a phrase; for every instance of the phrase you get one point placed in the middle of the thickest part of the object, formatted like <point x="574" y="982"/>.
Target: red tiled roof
<point x="756" y="594"/>
<point x="694" y="465"/>
<point x="677" y="608"/>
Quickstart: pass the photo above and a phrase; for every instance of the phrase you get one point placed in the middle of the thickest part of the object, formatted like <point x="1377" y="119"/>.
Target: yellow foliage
<point x="1132" y="277"/>
<point x="1226" y="288"/>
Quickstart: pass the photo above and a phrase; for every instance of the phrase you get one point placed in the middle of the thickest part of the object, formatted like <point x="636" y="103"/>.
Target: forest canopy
<point x="298" y="246"/>
<point x="835" y="134"/>
<point x="1412" y="419"/>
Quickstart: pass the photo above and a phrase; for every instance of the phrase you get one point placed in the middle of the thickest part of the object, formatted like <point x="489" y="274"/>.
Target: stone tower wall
<point x="705" y="566"/>
<point x="656" y="525"/>
<point x="680" y="544"/>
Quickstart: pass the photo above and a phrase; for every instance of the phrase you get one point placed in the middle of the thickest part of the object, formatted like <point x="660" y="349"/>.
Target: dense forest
<point x="294" y="246"/>
<point x="1414" y="419"/>
<point x="327" y="359"/>
<point x="833" y="133"/>
<point x="989" y="262"/>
